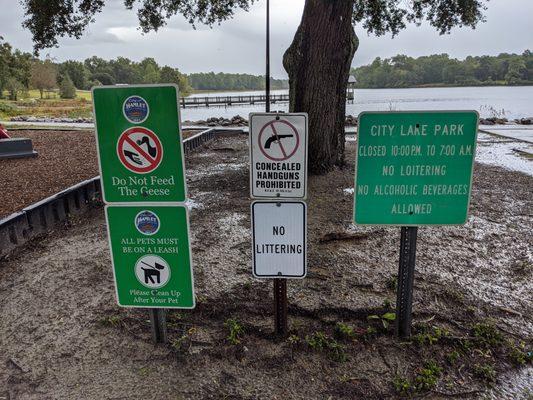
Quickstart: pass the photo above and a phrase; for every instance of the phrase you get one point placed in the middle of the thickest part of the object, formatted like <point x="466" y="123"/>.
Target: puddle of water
<point x="515" y="385"/>
<point x="504" y="154"/>
<point x="192" y="204"/>
<point x="349" y="191"/>
<point x="215" y="169"/>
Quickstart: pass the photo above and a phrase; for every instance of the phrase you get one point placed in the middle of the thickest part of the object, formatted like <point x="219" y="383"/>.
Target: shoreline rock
<point x="237" y="120"/>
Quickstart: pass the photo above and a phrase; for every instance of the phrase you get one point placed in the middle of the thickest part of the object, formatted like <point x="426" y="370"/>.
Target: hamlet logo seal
<point x="147" y="222"/>
<point x="136" y="109"/>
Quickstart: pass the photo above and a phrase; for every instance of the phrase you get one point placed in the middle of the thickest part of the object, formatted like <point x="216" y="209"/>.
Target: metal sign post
<point x="267" y="83"/>
<point x="413" y="169"/>
<point x="159" y="325"/>
<point x="141" y="159"/>
<point x="280" y="307"/>
<point x="406" y="275"/>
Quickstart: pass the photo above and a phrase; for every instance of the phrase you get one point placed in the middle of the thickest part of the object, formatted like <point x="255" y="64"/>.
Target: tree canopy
<point x="442" y="70"/>
<point x="50" y="19"/>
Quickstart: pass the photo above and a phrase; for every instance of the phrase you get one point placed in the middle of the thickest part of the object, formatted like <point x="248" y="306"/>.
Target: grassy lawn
<point x="51" y="105"/>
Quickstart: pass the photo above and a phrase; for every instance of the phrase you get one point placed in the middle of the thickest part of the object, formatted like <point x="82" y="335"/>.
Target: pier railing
<point x="207" y="101"/>
<point x="231" y="100"/>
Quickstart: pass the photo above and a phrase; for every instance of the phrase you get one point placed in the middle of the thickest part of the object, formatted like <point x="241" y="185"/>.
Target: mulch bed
<point x="65" y="158"/>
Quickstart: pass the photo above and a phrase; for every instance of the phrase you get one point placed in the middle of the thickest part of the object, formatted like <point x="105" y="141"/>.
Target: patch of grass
<point x="236" y="330"/>
<point x="402" y="385"/>
<point x="454" y="294"/>
<point x="112" y="320"/>
<point x="319" y="341"/>
<point x="428" y="376"/>
<point x="430" y="335"/>
<point x="487" y="334"/>
<point x="345" y="331"/>
<point x="425" y="380"/>
<point x="485" y="372"/>
<point x="519" y="355"/>
<point x="453" y="356"/>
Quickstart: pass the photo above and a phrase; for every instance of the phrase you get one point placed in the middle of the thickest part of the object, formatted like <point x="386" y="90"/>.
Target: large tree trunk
<point x="318" y="63"/>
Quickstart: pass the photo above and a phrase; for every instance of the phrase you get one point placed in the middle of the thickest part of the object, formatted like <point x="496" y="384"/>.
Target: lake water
<point x="503" y="101"/>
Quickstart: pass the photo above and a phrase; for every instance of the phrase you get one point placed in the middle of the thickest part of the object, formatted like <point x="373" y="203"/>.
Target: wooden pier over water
<point x="209" y="101"/>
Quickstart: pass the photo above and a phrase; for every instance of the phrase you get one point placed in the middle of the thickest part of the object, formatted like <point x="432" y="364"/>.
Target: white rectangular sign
<point x="278" y="155"/>
<point x="279" y="232"/>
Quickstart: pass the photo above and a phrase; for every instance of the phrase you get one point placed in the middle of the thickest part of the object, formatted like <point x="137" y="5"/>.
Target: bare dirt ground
<point x="63" y="337"/>
<point x="65" y="158"/>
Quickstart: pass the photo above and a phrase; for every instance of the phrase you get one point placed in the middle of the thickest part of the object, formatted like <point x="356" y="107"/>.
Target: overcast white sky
<point x="238" y="45"/>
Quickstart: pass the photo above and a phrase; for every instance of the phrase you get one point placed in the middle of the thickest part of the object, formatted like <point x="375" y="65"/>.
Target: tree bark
<point x="318" y="64"/>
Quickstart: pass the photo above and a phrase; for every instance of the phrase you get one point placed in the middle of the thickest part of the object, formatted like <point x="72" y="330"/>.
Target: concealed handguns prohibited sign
<point x="278" y="155"/>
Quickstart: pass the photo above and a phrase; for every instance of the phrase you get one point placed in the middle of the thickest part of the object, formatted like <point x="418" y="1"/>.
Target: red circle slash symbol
<point x="277" y="137"/>
<point x="139" y="150"/>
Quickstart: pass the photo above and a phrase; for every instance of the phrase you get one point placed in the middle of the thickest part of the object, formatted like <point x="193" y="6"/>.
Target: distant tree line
<point x="441" y="70"/>
<point x="223" y="81"/>
<point x="20" y="71"/>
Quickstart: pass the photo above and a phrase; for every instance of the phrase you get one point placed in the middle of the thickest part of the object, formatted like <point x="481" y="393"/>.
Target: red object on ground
<point x="3" y="133"/>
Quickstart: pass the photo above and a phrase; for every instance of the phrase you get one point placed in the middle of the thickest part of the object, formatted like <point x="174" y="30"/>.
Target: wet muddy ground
<point x="62" y="335"/>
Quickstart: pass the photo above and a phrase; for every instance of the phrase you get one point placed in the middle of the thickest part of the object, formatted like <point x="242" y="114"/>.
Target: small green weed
<point x="112" y="320"/>
<point x="485" y="372"/>
<point x="319" y="341"/>
<point x="426" y="379"/>
<point x="402" y="385"/>
<point x="386" y="319"/>
<point x="392" y="282"/>
<point x="294" y="340"/>
<point x="430" y="336"/>
<point x="370" y="333"/>
<point x="453" y="356"/>
<point x="345" y="331"/>
<point x="387" y="304"/>
<point x="487" y="334"/>
<point x="428" y="376"/>
<point x="236" y="330"/>
<point x="519" y="354"/>
<point x="183" y="343"/>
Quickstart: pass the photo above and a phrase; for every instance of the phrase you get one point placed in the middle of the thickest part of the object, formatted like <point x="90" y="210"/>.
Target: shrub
<point x="67" y="90"/>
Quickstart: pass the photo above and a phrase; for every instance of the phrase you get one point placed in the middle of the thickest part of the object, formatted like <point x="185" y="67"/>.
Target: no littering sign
<point x="278" y="154"/>
<point x="279" y="239"/>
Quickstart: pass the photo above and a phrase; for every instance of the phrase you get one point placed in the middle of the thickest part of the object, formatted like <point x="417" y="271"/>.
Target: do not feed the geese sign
<point x="139" y="142"/>
<point x="278" y="155"/>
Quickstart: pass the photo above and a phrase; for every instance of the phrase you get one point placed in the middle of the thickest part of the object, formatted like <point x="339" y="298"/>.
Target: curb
<point x="43" y="216"/>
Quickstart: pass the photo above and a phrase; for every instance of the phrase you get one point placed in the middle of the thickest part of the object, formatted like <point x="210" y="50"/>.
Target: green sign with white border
<point x="139" y="141"/>
<point x="151" y="255"/>
<point x="414" y="168"/>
